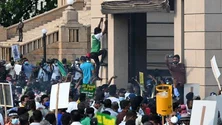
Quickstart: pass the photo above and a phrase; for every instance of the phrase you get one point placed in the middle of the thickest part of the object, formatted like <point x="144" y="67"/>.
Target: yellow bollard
<point x="164" y="104"/>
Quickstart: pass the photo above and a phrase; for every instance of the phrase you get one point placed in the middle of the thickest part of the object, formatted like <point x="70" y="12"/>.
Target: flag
<point x="62" y="68"/>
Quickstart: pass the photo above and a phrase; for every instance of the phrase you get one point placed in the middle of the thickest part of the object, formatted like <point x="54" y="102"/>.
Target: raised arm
<point x="78" y="83"/>
<point x="111" y="79"/>
<point x="100" y="22"/>
<point x="168" y="63"/>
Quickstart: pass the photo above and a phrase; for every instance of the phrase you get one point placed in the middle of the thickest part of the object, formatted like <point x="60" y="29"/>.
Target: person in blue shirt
<point x="87" y="69"/>
<point x="27" y="68"/>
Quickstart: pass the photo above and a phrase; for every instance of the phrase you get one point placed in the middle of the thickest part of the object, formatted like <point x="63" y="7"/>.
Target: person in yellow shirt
<point x="23" y="101"/>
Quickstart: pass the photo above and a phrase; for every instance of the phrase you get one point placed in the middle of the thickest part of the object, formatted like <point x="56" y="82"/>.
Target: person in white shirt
<point x="96" y="106"/>
<point x="108" y="105"/>
<point x="96" y="50"/>
<point x="73" y="105"/>
<point x="11" y="71"/>
<point x="112" y="95"/>
<point x="37" y="117"/>
<point x="75" y="117"/>
<point x="76" y="70"/>
<point x="56" y="75"/>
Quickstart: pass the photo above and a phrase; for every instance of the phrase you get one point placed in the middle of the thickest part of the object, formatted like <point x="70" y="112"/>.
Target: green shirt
<point x="95" y="44"/>
<point x="86" y="121"/>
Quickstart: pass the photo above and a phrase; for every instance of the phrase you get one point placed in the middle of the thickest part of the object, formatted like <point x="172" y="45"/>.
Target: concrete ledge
<point x="42" y="19"/>
<point x="135" y="6"/>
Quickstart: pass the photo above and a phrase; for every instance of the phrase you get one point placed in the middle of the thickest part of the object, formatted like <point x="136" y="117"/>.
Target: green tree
<point x="14" y="10"/>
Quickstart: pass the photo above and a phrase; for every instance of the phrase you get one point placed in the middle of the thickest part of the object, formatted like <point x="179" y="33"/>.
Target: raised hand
<point x="101" y="19"/>
<point x="114" y="77"/>
<point x="106" y="22"/>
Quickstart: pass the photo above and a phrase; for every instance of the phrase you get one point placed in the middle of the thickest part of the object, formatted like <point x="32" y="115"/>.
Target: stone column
<point x="61" y="3"/>
<point x="70" y="19"/>
<point x="70" y="15"/>
<point x="118" y="49"/>
<point x="1" y="53"/>
<point x="202" y="34"/>
<point x="3" y="35"/>
<point x="179" y="28"/>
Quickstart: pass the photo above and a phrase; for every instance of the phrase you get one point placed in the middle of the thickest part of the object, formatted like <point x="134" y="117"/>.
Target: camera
<point x="50" y="61"/>
<point x="170" y="56"/>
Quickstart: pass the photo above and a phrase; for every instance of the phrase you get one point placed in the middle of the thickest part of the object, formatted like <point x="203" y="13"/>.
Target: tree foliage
<point x="14" y="10"/>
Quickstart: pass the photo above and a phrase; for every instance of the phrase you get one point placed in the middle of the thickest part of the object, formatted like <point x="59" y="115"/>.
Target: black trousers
<point x="95" y="57"/>
<point x="20" y="36"/>
<point x="180" y="89"/>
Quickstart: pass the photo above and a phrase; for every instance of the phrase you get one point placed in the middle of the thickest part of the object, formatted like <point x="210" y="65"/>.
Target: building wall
<point x="202" y="40"/>
<point x="160" y="38"/>
<point x="160" y="34"/>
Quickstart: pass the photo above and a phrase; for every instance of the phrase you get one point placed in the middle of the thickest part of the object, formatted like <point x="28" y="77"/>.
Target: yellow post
<point x="164" y="100"/>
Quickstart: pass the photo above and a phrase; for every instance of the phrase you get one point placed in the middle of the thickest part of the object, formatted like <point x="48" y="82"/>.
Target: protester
<point x="37" y="117"/>
<point x="178" y="72"/>
<point x="76" y="71"/>
<point x="96" y="45"/>
<point x="13" y="118"/>
<point x="44" y="74"/>
<point x="96" y="106"/>
<point x="24" y="100"/>
<point x="107" y="106"/>
<point x="115" y="107"/>
<point x="112" y="94"/>
<point x="3" y="72"/>
<point x="124" y="104"/>
<point x="66" y="118"/>
<point x="172" y="119"/>
<point x="87" y="69"/>
<point x="31" y="106"/>
<point x="72" y="104"/>
<point x="24" y="119"/>
<point x="65" y="65"/>
<point x="56" y="75"/>
<point x="89" y="115"/>
<point x="10" y="69"/>
<point x="75" y="117"/>
<point x="129" y="116"/>
<point x="51" y="118"/>
<point x="27" y="68"/>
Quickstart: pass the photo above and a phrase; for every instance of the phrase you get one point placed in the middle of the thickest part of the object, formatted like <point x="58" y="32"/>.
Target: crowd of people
<point x="31" y="93"/>
<point x="31" y="89"/>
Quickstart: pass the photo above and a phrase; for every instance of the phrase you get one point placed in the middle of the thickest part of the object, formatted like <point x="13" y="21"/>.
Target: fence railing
<point x="30" y="46"/>
<point x="38" y="43"/>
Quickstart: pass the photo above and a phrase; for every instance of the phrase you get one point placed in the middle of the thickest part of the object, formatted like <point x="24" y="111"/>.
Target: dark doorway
<point x="137" y="44"/>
